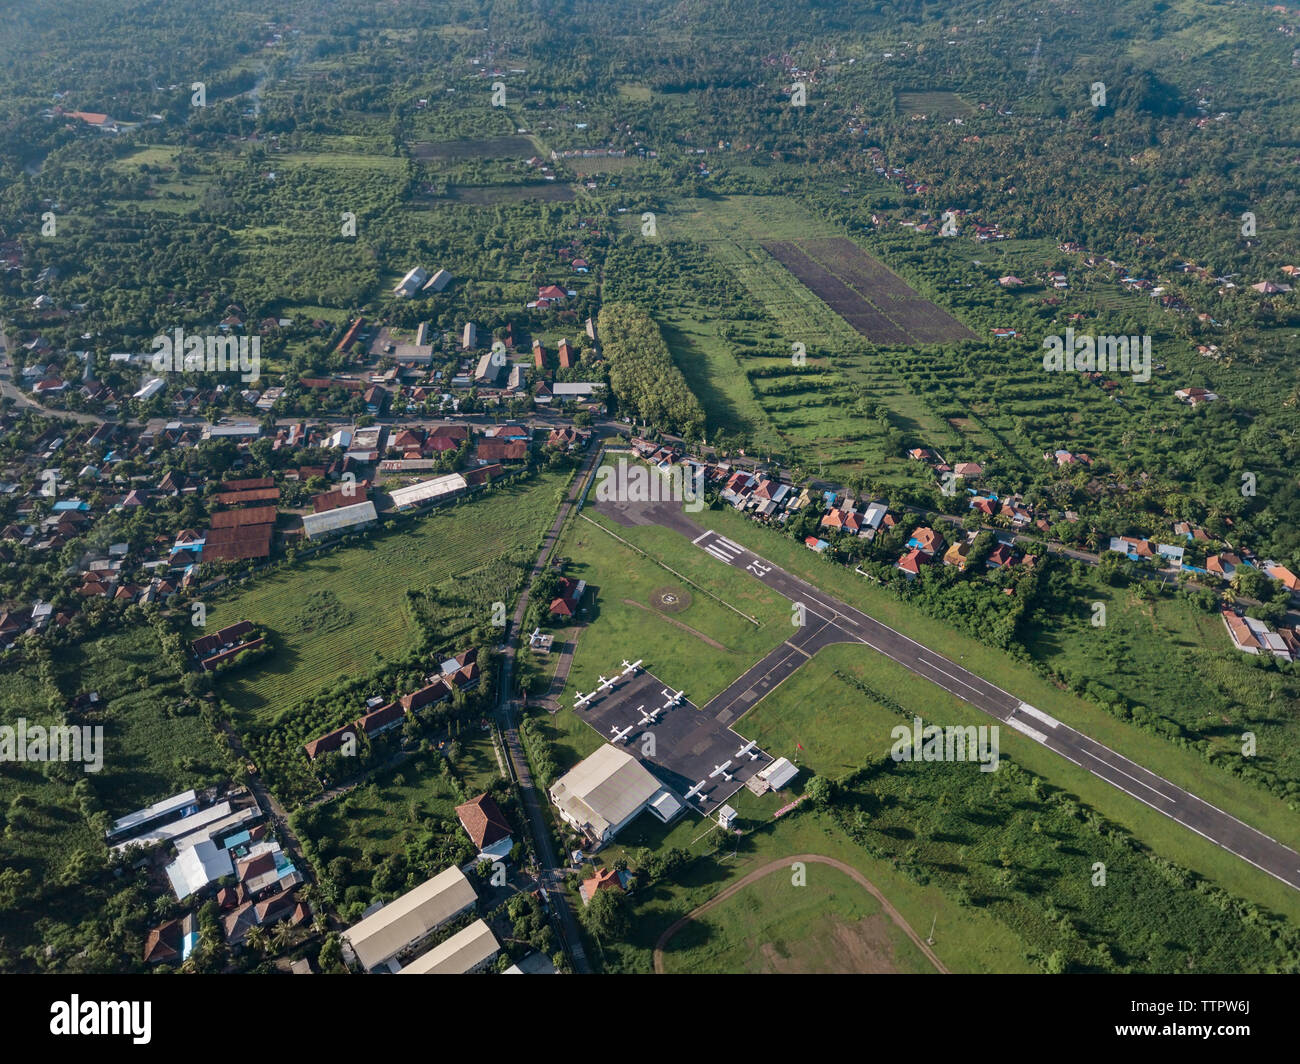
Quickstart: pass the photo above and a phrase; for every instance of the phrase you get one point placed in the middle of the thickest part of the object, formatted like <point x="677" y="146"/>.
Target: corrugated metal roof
<point x="410" y="917"/>
<point x="461" y="953"/>
<point x="341" y="518"/>
<point x="428" y="490"/>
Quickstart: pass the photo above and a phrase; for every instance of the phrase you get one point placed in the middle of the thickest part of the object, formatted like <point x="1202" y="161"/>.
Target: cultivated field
<point x="732" y="339"/>
<point x="487" y="195"/>
<point x="861" y="290"/>
<point x="508" y="147"/>
<point x="936" y="104"/>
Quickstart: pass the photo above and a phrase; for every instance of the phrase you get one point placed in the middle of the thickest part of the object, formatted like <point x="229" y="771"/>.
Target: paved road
<point x="842" y="623"/>
<point x="22" y="400"/>
<point x="552" y="870"/>
<point x="772" y="866"/>
<point x="568" y="646"/>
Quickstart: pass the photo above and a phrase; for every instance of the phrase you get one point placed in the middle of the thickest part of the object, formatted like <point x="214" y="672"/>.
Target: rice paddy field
<point x="936" y="104"/>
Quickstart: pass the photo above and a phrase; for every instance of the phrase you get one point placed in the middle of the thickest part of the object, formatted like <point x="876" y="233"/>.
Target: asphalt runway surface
<point x="830" y="621"/>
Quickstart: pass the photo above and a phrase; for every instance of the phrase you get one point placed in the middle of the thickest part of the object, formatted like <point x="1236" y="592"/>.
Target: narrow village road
<point x="552" y="869"/>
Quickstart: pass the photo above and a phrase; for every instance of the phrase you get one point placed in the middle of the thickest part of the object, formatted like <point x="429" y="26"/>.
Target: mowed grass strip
<point x="616" y="630"/>
<point x="344" y="613"/>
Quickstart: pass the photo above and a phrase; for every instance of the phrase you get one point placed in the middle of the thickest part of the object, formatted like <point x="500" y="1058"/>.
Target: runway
<point x="829" y="620"/>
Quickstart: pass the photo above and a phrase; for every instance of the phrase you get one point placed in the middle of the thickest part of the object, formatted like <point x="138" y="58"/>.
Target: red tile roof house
<point x="502" y="451"/>
<point x="163" y="943"/>
<point x="466" y="676"/>
<point x="382" y="719"/>
<point x="912" y="561"/>
<point x="927" y="539"/>
<point x="842" y="520"/>
<point x="486" y="825"/>
<point x="330" y="741"/>
<point x="407" y="440"/>
<point x="1284" y="576"/>
<point x="1000" y="555"/>
<point x="565" y="604"/>
<point x="738" y="482"/>
<point x="565" y="437"/>
<point x="604" y="879"/>
<point x="1242" y="636"/>
<point x="1223" y="565"/>
<point x="339" y="497"/>
<point x="425" y="696"/>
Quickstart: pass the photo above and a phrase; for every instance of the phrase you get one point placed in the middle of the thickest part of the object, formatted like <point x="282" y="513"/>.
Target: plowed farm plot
<point x="861" y="290"/>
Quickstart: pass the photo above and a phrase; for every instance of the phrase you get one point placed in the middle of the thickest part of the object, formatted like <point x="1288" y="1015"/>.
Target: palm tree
<point x="281" y="935"/>
<point x="255" y="940"/>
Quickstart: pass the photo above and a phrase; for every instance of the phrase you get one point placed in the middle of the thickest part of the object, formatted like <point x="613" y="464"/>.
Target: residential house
<point x="486" y="825"/>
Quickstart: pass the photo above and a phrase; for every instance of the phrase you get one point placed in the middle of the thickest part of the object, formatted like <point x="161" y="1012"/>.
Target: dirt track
<point x="772" y="866"/>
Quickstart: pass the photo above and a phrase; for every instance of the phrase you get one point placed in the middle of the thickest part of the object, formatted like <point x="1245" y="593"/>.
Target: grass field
<point x="966" y="939"/>
<point x="830" y="924"/>
<point x="152" y="747"/>
<point x="342" y="614"/>
<point x="917" y="817"/>
<point x="619" y="623"/>
<point x="616" y="629"/>
<point x="715" y="373"/>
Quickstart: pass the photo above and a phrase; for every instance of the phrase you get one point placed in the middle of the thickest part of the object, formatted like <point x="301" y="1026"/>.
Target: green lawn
<point x="615" y="630"/>
<point x="966" y="939"/>
<point x="345" y="613"/>
<point x="828" y="924"/>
